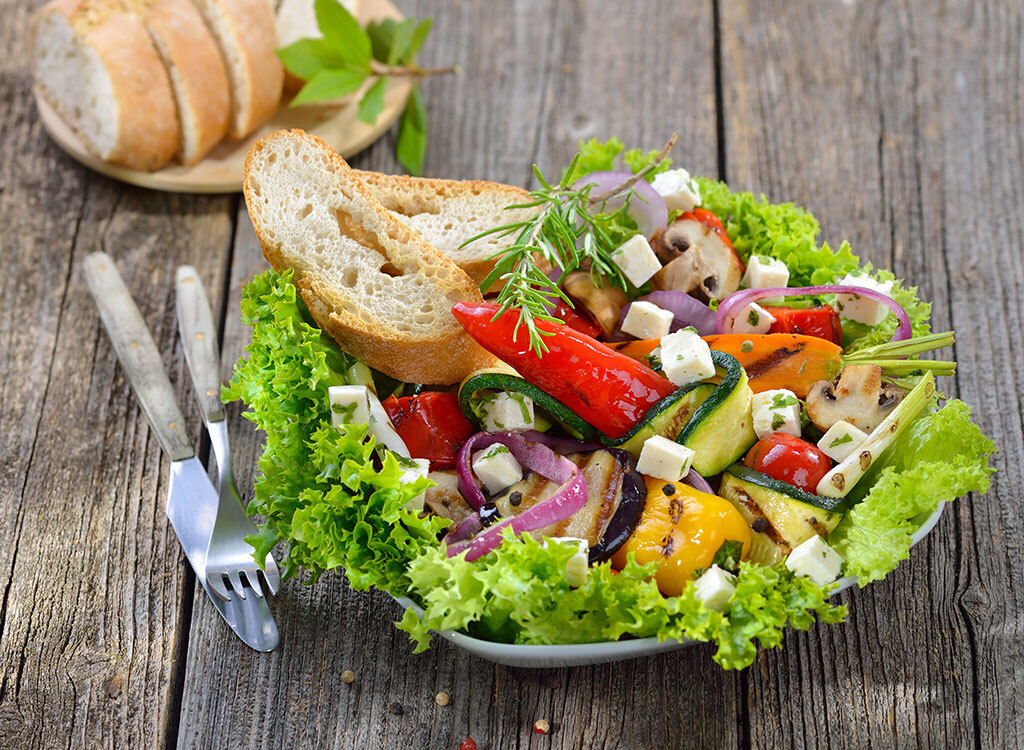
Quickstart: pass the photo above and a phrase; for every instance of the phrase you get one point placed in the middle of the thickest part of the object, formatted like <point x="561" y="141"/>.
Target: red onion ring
<point x="698" y="482"/>
<point x="467" y="527"/>
<point x="647" y="208"/>
<point x="688" y="311"/>
<point x="539" y="458"/>
<point x="731" y="305"/>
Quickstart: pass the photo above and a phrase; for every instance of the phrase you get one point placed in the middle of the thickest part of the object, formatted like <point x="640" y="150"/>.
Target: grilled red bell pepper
<point x="575" y="319"/>
<point x="432" y="426"/>
<point x="822" y="322"/>
<point x="607" y="389"/>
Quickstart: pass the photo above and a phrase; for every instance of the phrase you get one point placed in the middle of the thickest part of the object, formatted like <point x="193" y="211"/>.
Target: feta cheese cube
<point x="686" y="357"/>
<point x="863" y="309"/>
<point x="841" y="440"/>
<point x="636" y="260"/>
<point x="776" y="411"/>
<point x="665" y="459"/>
<point x="752" y="319"/>
<point x="413" y="469"/>
<point x="646" y="320"/>
<point x="814" y="559"/>
<point x="680" y="191"/>
<point x="763" y="273"/>
<point x="508" y="411"/>
<point x="578" y="567"/>
<point x="715" y="587"/>
<point x="497" y="468"/>
<point x="349" y="405"/>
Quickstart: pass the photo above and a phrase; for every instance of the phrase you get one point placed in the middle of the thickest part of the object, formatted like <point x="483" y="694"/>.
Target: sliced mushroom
<point x="696" y="261"/>
<point x="603" y="303"/>
<point x="859" y="397"/>
<point x="444" y="498"/>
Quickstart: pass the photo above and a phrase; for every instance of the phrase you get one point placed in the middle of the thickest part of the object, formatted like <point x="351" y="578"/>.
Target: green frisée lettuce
<point x="597" y="156"/>
<point x="518" y="593"/>
<point x="942" y="456"/>
<point x="319" y="488"/>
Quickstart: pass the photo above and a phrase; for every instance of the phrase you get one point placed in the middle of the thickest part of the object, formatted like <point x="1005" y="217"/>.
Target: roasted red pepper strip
<point x="822" y="322"/>
<point x="607" y="389"/>
<point x="432" y="426"/>
<point x="575" y="319"/>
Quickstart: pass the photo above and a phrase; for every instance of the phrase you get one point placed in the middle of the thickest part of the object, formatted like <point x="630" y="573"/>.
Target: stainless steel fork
<point x="231" y="570"/>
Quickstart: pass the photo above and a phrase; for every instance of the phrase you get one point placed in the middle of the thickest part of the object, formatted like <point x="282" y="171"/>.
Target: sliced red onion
<point x="688" y="311"/>
<point x="647" y="207"/>
<point x="698" y="482"/>
<point x="538" y="458"/>
<point x="561" y="444"/>
<point x="467" y="527"/>
<point x="731" y="305"/>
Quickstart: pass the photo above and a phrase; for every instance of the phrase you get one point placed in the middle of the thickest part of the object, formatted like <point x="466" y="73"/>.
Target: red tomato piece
<point x="821" y="322"/>
<point x="432" y="426"/>
<point x="789" y="459"/>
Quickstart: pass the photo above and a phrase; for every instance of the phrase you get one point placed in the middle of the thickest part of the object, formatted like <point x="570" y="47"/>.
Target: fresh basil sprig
<point x="347" y="56"/>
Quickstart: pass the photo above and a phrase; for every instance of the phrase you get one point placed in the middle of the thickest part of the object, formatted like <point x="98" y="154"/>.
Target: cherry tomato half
<point x="432" y="426"/>
<point x="789" y="459"/>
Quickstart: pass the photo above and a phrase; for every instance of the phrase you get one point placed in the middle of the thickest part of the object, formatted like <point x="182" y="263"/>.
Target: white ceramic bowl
<point x="575" y="654"/>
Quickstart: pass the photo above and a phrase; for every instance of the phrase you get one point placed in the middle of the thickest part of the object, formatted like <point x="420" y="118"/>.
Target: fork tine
<point x="272" y="576"/>
<point x="253" y="578"/>
<point x="236" y="582"/>
<point x="215" y="581"/>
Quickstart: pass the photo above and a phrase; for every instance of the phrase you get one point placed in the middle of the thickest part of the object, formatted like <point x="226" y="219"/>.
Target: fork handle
<point x="139" y="357"/>
<point x="199" y="339"/>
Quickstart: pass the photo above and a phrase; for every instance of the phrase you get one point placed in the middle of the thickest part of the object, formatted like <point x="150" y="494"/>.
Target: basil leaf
<point x="329" y="84"/>
<point x="412" y="135"/>
<point x="342" y="32"/>
<point x="307" y="57"/>
<point x="372" y="103"/>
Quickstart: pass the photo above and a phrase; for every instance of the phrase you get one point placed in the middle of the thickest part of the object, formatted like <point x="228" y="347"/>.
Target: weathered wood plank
<point x="537" y="78"/>
<point x="879" y="118"/>
<point x="92" y="578"/>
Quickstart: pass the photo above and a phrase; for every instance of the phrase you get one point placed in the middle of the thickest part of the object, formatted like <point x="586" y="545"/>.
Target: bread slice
<point x="296" y="19"/>
<point x="246" y="33"/>
<point x="95" y="64"/>
<point x="372" y="283"/>
<point x="197" y="74"/>
<point x="446" y="213"/>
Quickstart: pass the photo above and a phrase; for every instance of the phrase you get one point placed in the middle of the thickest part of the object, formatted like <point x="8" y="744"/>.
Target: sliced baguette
<point x="95" y="64"/>
<point x="446" y="213"/>
<point x="246" y="32"/>
<point x="373" y="284"/>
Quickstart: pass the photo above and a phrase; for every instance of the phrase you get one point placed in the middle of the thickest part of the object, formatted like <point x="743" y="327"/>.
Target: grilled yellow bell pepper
<point x="681" y="529"/>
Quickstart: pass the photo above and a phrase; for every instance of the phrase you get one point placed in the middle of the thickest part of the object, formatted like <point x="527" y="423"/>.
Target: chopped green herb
<point x="847" y="438"/>
<point x="777" y="421"/>
<point x="496" y="450"/>
<point x="347" y="412"/>
<point x="520" y="399"/>
<point x="780" y="401"/>
<point x="753" y="318"/>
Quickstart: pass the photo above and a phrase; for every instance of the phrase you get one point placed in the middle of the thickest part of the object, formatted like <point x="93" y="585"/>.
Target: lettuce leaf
<point x="319" y="488"/>
<point x="941" y="456"/>
<point x="518" y="594"/>
<point x="598" y="156"/>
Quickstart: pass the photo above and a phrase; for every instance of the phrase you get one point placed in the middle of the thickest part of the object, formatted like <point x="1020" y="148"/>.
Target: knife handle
<point x="139" y="357"/>
<point x="199" y="339"/>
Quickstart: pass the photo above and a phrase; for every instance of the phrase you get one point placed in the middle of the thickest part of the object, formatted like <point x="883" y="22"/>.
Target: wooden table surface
<point x="899" y="124"/>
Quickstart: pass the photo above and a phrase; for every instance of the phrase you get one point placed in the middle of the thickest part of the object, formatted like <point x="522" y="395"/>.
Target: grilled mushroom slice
<point x="859" y="397"/>
<point x="603" y="303"/>
<point x="696" y="261"/>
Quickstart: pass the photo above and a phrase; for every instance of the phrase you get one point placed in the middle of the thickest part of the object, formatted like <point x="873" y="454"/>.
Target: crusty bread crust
<point x="438" y="351"/>
<point x="147" y="132"/>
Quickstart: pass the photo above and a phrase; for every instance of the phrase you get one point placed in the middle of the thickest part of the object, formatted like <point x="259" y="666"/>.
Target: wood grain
<point x="880" y="118"/>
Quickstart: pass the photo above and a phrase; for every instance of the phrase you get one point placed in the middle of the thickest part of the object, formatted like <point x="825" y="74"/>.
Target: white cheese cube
<point x="646" y="320"/>
<point x="665" y="459"/>
<point x="752" y="319"/>
<point x="497" y="468"/>
<point x="863" y="309"/>
<point x="776" y="411"/>
<point x="715" y="587"/>
<point x="636" y="260"/>
<point x="349" y="405"/>
<point x="686" y="357"/>
<point x="680" y="191"/>
<point x="509" y="411"/>
<point x="814" y="559"/>
<point x="413" y="469"/>
<point x="841" y="440"/>
<point x="763" y="273"/>
<point x="578" y="567"/>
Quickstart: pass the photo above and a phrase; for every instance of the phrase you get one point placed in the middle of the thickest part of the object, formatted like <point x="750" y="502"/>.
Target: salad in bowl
<point x="683" y="420"/>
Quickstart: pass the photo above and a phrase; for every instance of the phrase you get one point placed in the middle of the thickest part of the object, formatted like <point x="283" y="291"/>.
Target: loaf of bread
<point x="372" y="283"/>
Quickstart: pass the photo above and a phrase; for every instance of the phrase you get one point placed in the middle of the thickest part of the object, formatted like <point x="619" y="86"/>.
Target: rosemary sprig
<point x="572" y="230"/>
